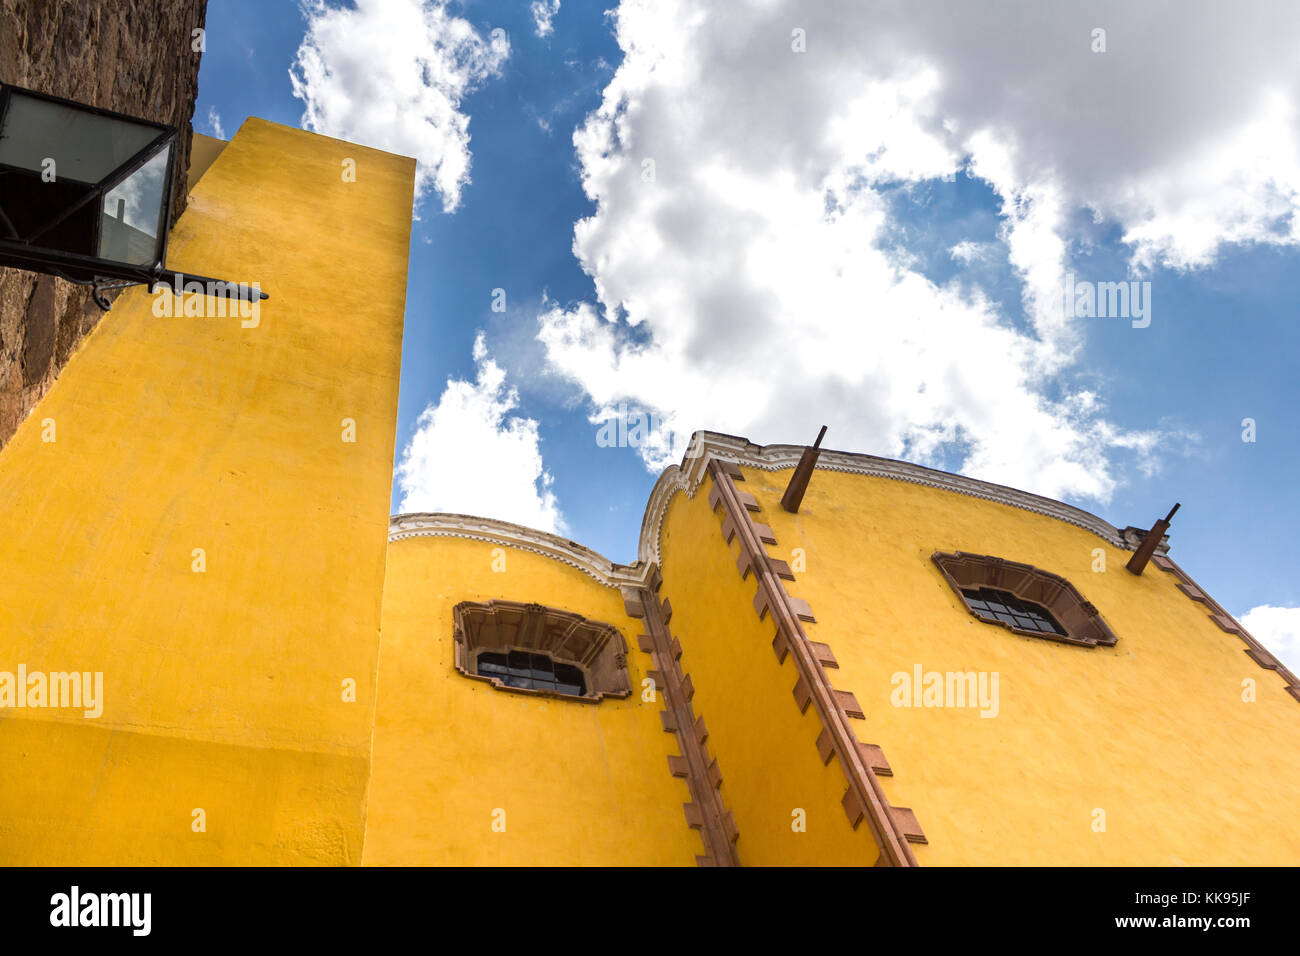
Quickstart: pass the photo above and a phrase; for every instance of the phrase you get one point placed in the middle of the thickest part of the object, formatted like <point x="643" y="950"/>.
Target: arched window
<point x="532" y="649"/>
<point x="1023" y="598"/>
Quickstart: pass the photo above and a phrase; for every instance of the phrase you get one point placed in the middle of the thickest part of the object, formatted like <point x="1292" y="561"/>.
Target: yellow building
<point x="910" y="667"/>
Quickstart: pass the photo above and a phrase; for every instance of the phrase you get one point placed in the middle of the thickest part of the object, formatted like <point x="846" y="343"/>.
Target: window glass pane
<point x="84" y="146"/>
<point x="1011" y="610"/>
<point x="569" y="680"/>
<point x="133" y="213"/>
<point x="530" y="671"/>
<point x="542" y="668"/>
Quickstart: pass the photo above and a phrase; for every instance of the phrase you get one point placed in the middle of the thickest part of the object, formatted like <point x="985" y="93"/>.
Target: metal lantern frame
<point x="24" y="250"/>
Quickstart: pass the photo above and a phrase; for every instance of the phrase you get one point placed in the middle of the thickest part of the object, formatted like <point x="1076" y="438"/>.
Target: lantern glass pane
<point x="85" y="146"/>
<point x="132" y="217"/>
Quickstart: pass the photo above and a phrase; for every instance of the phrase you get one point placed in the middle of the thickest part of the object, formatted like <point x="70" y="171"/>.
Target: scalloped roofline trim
<point x="687" y="477"/>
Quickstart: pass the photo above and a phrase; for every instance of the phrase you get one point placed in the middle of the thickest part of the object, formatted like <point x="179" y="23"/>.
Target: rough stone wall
<point x="132" y="56"/>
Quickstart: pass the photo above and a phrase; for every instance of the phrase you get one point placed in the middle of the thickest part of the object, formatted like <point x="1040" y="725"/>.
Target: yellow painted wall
<point x="222" y="689"/>
<point x="765" y="748"/>
<point x="1153" y="731"/>
<point x="580" y="783"/>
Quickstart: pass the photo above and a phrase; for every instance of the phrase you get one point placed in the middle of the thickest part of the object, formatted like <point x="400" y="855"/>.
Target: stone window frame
<point x="1083" y="623"/>
<point x="596" y="648"/>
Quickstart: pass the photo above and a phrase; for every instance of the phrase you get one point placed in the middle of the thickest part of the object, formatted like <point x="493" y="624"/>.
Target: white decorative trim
<point x="494" y="531"/>
<point x="687" y="477"/>
<point x="776" y="457"/>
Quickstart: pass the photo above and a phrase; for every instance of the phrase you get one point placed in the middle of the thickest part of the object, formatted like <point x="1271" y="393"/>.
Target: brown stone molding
<point x="864" y="799"/>
<point x="1082" y="621"/>
<point x="707" y="812"/>
<point x="1254" y="649"/>
<point x="597" y="649"/>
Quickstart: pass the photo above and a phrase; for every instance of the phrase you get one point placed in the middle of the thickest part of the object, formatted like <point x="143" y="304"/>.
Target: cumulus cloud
<point x="473" y="454"/>
<point x="392" y="74"/>
<point x="544" y="12"/>
<point x="737" y="248"/>
<point x="1278" y="629"/>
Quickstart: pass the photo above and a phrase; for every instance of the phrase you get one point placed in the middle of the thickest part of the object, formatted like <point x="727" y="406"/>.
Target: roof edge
<point x="707" y="445"/>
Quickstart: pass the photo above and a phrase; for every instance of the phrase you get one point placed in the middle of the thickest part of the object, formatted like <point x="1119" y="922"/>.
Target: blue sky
<point x="953" y="166"/>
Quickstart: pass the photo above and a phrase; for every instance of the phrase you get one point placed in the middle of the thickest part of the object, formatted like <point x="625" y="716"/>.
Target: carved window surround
<point x="1082" y="622"/>
<point x="597" y="649"/>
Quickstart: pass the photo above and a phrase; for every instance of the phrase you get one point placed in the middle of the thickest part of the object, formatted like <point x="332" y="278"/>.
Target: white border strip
<point x="687" y="477"/>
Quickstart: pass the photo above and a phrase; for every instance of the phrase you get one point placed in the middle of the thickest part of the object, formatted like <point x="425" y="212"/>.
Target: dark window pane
<point x="1006" y="607"/>
<point x="570" y="677"/>
<point x="531" y="671"/>
<point x="542" y="668"/>
<point x="87" y="146"/>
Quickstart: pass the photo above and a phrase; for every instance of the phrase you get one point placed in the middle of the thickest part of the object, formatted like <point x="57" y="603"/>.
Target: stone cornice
<point x="495" y="531"/>
<point x="706" y="446"/>
<point x="776" y="457"/>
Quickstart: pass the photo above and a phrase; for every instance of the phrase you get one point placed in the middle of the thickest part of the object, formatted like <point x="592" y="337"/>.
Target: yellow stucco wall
<point x="228" y="691"/>
<point x="580" y="783"/>
<point x="223" y="689"/>
<point x="765" y="748"/>
<point x="1154" y="731"/>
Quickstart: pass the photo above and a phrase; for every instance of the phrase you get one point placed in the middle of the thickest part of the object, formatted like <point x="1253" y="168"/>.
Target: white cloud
<point x="214" y="123"/>
<point x="967" y="251"/>
<point x="472" y="454"/>
<point x="543" y="12"/>
<point x="755" y="263"/>
<point x="392" y="74"/>
<point x="1278" y="629"/>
